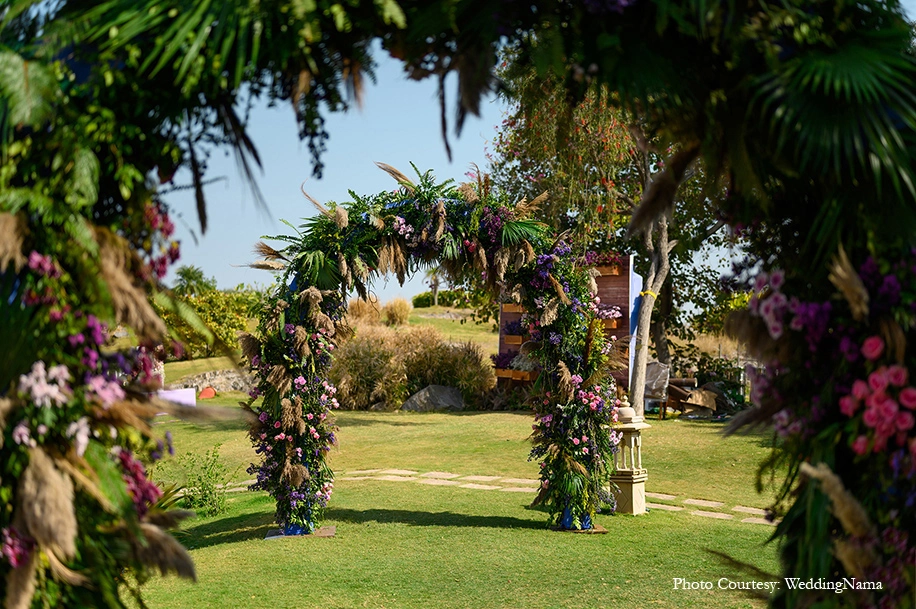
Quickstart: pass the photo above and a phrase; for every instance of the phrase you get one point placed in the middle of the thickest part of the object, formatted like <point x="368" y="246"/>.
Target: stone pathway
<point x="748" y="515"/>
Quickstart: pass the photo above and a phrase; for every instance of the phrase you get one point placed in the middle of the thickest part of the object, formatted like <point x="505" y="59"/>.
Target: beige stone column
<point x="630" y="476"/>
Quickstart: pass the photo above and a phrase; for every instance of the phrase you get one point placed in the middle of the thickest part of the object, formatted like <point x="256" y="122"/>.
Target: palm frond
<point x="514" y="232"/>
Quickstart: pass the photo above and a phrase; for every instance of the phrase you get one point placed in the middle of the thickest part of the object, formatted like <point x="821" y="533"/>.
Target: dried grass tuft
<point x="845" y="507"/>
<point x="13" y="229"/>
<point x="396" y="312"/>
<point x="129" y="299"/>
<point x="844" y="276"/>
<point x="501" y="262"/>
<point x="558" y="287"/>
<point x="267" y="265"/>
<point x="526" y="209"/>
<point x="280" y="379"/>
<point x="550" y="312"/>
<point x="20" y="584"/>
<point x="565" y="386"/>
<point x="321" y="208"/>
<point x="363" y="312"/>
<point x="158" y="549"/>
<point x="46" y="505"/>
<point x="265" y="251"/>
<point x="399" y="177"/>
<point x="893" y="337"/>
<point x="301" y="342"/>
<point x="440" y="220"/>
<point x="341" y="218"/>
<point x="469" y="193"/>
<point x="250" y="345"/>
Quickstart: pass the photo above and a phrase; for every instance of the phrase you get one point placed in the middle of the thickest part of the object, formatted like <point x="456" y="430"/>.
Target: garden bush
<point x="384" y="366"/>
<point x="459" y="299"/>
<point x="224" y="312"/>
<point x="396" y="312"/>
<point x="205" y="491"/>
<point x="363" y="312"/>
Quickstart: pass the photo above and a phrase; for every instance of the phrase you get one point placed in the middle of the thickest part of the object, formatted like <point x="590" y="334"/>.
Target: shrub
<point x="385" y="366"/>
<point x="459" y="299"/>
<point x="361" y="311"/>
<point x="226" y="313"/>
<point x="396" y="312"/>
<point x="205" y="491"/>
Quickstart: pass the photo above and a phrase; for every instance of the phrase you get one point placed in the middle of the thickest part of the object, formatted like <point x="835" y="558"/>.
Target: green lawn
<point x="452" y="328"/>
<point x="403" y="544"/>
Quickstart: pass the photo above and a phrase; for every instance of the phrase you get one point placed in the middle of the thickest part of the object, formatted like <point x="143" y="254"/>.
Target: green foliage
<point x="396" y="312"/>
<point x="226" y="313"/>
<point x="206" y="476"/>
<point x="191" y="281"/>
<point x="457" y="299"/>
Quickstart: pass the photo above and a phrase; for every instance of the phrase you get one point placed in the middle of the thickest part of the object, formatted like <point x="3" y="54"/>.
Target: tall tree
<point x="595" y="163"/>
<point x="191" y="281"/>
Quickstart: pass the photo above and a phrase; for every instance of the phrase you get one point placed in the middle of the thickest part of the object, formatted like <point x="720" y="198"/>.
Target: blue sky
<point x="399" y="123"/>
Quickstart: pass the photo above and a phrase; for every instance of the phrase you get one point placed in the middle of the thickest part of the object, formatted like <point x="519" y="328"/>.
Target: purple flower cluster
<point x="15" y="547"/>
<point x="143" y="492"/>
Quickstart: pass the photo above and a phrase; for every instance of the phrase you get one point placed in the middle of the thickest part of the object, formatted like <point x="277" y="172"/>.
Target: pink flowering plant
<point x="481" y="240"/>
<point x="860" y="414"/>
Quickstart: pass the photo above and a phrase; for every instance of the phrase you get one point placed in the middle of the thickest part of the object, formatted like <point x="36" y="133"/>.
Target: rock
<point x="220" y="380"/>
<point x="435" y="397"/>
<point x="206" y="393"/>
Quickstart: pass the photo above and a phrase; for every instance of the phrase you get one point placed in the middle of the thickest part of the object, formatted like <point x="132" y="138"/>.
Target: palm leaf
<point x="516" y="231"/>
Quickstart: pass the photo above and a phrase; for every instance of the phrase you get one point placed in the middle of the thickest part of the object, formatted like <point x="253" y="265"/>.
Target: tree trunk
<point x="658" y="271"/>
<point x="659" y="327"/>
<point x="434" y="284"/>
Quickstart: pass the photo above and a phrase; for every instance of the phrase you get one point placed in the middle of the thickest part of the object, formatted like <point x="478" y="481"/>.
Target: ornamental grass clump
<point x="396" y="312"/>
<point x="361" y="311"/>
<point x="382" y="367"/>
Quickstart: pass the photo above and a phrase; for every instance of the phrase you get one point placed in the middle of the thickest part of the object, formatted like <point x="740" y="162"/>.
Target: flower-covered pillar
<point x="475" y="235"/>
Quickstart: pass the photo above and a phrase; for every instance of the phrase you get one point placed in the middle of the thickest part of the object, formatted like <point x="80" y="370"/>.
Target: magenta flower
<point x="907" y="397"/>
<point x="872" y="348"/>
<point x="897" y="375"/>
<point x="860" y="445"/>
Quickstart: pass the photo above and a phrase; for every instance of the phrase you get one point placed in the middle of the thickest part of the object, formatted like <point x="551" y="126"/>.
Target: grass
<point x="175" y="371"/>
<point x="403" y="544"/>
<point x="452" y="328"/>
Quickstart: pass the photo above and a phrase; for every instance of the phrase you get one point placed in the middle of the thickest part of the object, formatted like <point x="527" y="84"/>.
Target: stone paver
<point x="437" y="482"/>
<point x="662" y="506"/>
<point x="392" y="478"/>
<point x="718" y="515"/>
<point x="528" y="485"/>
<point x="749" y="510"/>
<point x="754" y="520"/>
<point x="521" y="481"/>
<point x="703" y="503"/>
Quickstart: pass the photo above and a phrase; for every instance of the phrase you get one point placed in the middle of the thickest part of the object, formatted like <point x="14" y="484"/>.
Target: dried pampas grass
<point x="558" y="287"/>
<point x="12" y="234"/>
<point x="399" y="177"/>
<point x="265" y="251"/>
<point x="565" y="386"/>
<point x="341" y="217"/>
<point x="250" y="345"/>
<point x="843" y="275"/>
<point x="20" y="584"/>
<point x="46" y="505"/>
<point x="158" y="549"/>
<point x="280" y="379"/>
<point x="501" y="262"/>
<point x="440" y="220"/>
<point x="321" y="208"/>
<point x="301" y="342"/>
<point x="550" y="312"/>
<point x="130" y="302"/>
<point x="525" y="208"/>
<point x="845" y="507"/>
<point x="267" y="265"/>
<point x="468" y="193"/>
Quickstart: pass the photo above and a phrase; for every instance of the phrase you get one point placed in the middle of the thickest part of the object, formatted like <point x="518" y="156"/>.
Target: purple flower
<point x="289" y="329"/>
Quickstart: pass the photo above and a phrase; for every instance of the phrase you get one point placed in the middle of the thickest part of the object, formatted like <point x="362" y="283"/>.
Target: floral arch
<point x="468" y="230"/>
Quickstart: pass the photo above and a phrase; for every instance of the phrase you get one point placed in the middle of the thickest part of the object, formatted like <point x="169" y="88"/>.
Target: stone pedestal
<point x="630" y="476"/>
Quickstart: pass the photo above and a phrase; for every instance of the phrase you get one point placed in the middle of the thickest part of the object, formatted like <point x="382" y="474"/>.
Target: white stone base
<point x="631" y="494"/>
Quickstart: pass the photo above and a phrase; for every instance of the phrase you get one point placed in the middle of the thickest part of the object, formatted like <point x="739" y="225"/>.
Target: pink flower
<point x="575" y="441"/>
<point x="848" y="405"/>
<point x="872" y="348"/>
<point x="310" y="416"/>
<point x="860" y="445"/>
<point x="888" y="409"/>
<point x="860" y="390"/>
<point x="897" y="375"/>
<point x="907" y="397"/>
<point x="871" y="417"/>
<point x="904" y="421"/>
<point x="585" y="450"/>
<point x="878" y="380"/>
<point x="777" y="279"/>
<point x="277" y="425"/>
